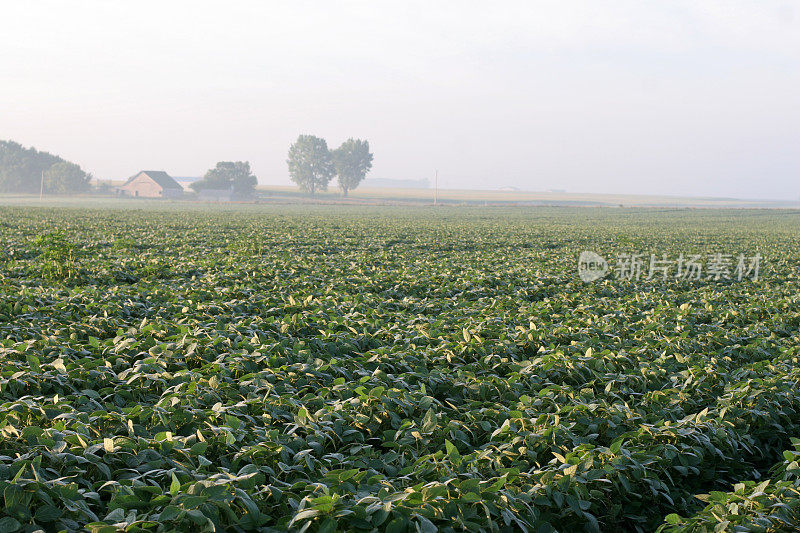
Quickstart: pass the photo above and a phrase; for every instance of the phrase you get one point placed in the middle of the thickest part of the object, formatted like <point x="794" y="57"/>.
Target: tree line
<point x="229" y="176"/>
<point x="21" y="171"/>
<point x="312" y="165"/>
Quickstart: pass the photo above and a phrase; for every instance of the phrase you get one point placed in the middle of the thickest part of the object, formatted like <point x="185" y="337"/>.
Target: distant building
<point x="151" y="184"/>
<point x="397" y="184"/>
<point x="508" y="188"/>
<point x="215" y="195"/>
<point x="186" y="182"/>
<point x="557" y="190"/>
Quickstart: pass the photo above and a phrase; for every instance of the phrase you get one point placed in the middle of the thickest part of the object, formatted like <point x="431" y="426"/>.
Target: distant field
<point x="376" y="195"/>
<point x="260" y="367"/>
<point x="454" y="196"/>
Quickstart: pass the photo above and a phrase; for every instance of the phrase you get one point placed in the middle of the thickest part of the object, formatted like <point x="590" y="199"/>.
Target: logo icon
<point x="591" y="267"/>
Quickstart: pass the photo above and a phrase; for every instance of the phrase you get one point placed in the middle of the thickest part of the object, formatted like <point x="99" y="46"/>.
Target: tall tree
<point x="21" y="168"/>
<point x="352" y="160"/>
<point x="310" y="164"/>
<point x="229" y="175"/>
<point x="65" y="177"/>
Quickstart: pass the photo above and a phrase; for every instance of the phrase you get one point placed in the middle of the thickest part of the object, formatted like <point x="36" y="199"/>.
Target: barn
<point x="151" y="184"/>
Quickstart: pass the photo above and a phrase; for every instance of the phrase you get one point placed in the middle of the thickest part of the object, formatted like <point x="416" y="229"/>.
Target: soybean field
<point x="399" y="369"/>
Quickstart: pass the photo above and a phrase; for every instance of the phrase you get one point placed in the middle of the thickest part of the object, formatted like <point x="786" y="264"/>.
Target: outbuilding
<point x="152" y="184"/>
<point x="215" y="195"/>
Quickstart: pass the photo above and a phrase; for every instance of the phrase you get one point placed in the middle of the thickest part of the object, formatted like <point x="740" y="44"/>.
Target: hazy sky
<point x="671" y="97"/>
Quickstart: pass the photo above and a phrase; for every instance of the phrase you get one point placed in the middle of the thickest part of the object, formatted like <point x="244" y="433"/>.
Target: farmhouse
<point x="152" y="184"/>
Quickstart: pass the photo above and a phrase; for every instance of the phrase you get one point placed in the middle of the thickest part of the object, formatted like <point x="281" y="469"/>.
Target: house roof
<point x="160" y="177"/>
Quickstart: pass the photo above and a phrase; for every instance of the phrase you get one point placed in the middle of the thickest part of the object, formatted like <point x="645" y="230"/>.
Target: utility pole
<point x="41" y="187"/>
<point x="436" y="188"/>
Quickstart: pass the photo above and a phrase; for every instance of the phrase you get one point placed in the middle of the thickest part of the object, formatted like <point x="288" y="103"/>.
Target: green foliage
<point x="65" y="177"/>
<point x="21" y="171"/>
<point x="310" y="164"/>
<point x="58" y="259"/>
<point x="769" y="505"/>
<point x="352" y="160"/>
<point x="424" y="370"/>
<point x="230" y="176"/>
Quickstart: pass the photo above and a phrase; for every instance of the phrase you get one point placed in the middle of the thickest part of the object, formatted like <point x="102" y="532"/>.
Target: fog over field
<point x="677" y="98"/>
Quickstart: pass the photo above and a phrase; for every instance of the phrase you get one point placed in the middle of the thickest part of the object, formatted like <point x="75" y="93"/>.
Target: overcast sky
<point x="671" y="97"/>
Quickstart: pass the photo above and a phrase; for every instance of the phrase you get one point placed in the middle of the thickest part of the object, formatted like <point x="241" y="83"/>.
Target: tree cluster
<point x="312" y="165"/>
<point x="230" y="176"/>
<point x="21" y="171"/>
